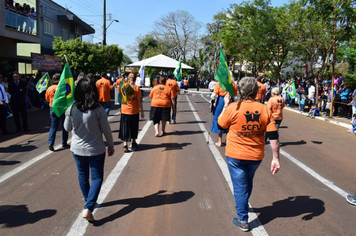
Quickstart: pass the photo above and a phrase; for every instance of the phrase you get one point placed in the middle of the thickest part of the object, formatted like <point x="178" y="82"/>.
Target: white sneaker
<point x="9" y="115"/>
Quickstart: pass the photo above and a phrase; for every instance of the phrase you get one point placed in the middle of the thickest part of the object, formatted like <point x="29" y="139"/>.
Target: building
<point x="33" y="30"/>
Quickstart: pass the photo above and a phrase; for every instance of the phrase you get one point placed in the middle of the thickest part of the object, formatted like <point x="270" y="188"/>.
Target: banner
<point x="45" y="62"/>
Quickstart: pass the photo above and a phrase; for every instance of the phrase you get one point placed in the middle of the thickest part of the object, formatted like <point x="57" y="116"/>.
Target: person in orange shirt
<point x="276" y="104"/>
<point x="54" y="118"/>
<point x="261" y="94"/>
<point x="104" y="86"/>
<point x="247" y="121"/>
<point x="172" y="83"/>
<point x="186" y="82"/>
<point x="218" y="97"/>
<point x="130" y="114"/>
<point x="161" y="98"/>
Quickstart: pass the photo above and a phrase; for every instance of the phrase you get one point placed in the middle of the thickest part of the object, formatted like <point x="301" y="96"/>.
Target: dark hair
<point x="86" y="95"/>
<point x="103" y="74"/>
<point x="55" y="78"/>
<point x="170" y="76"/>
<point x="162" y="80"/>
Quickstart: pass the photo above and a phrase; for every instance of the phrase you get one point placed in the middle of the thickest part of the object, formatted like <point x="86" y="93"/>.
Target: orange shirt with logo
<point x="261" y="91"/>
<point x="132" y="107"/>
<point x="104" y="86"/>
<point x="50" y="94"/>
<point x="247" y="122"/>
<point x="161" y="96"/>
<point x="220" y="92"/>
<point x="276" y="104"/>
<point x="174" y="86"/>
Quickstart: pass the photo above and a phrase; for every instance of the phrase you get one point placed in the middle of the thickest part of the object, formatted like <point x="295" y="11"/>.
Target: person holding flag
<point x="178" y="74"/>
<point x="276" y="105"/>
<point x="224" y="86"/>
<point x="291" y="91"/>
<point x="50" y="93"/>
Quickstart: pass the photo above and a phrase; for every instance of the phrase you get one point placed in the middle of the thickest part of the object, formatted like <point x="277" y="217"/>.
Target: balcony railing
<point x="16" y="21"/>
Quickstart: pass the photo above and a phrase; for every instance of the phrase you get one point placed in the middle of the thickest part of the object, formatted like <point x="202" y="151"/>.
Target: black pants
<point x="344" y="107"/>
<point x="17" y="109"/>
<point x="3" y="119"/>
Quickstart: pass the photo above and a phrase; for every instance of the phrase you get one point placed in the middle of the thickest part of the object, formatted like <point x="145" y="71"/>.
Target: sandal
<point x="126" y="149"/>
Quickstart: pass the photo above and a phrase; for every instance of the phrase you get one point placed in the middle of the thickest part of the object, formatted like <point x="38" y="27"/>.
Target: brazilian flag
<point x="291" y="90"/>
<point x="223" y="75"/>
<point x="149" y="72"/>
<point x="64" y="96"/>
<point x="43" y="83"/>
<point x="178" y="71"/>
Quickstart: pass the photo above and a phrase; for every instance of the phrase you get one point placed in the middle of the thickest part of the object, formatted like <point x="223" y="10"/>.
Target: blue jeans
<point x="242" y="173"/>
<point x="107" y="106"/>
<point x="174" y="114"/>
<point x="54" y="126"/>
<point x="96" y="165"/>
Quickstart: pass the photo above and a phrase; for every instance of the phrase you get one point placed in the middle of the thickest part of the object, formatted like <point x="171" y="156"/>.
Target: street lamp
<point x="105" y="29"/>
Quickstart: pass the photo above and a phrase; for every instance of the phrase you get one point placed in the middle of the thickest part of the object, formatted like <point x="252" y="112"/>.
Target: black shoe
<point x="126" y="149"/>
<point x="18" y="130"/>
<point x="50" y="147"/>
<point x="66" y="146"/>
<point x="26" y="130"/>
<point x="134" y="146"/>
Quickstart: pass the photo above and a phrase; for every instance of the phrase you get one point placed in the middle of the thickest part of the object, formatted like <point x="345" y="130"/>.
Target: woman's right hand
<point x="111" y="151"/>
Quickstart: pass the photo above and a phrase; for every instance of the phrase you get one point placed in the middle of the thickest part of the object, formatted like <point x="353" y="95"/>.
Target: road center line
<point x="257" y="227"/>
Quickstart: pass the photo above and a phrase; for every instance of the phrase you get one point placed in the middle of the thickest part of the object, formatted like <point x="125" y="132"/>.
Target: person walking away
<point x="3" y="104"/>
<point x="261" y="94"/>
<point x="276" y="105"/>
<point x="54" y="118"/>
<point x="87" y="120"/>
<point x="129" y="122"/>
<point x="185" y="81"/>
<point x="247" y="122"/>
<point x="161" y="99"/>
<point x="17" y="90"/>
<point x="172" y="83"/>
<point x="104" y="86"/>
<point x="217" y="98"/>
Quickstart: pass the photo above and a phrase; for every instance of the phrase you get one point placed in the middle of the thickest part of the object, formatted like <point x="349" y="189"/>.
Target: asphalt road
<point x="178" y="184"/>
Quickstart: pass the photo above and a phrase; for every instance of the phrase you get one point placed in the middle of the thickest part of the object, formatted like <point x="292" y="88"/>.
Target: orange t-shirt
<point x="220" y="92"/>
<point x="161" y="96"/>
<point x="50" y="94"/>
<point x="132" y="107"/>
<point x="185" y="82"/>
<point x="174" y="86"/>
<point x="276" y="104"/>
<point x="247" y="125"/>
<point x="104" y="86"/>
<point x="261" y="91"/>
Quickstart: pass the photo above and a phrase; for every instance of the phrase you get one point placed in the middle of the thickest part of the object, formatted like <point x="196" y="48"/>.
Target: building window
<point x="48" y="28"/>
<point x="64" y="34"/>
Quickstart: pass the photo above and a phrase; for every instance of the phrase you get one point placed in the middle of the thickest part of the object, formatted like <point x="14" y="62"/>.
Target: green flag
<point x="291" y="90"/>
<point x="223" y="76"/>
<point x="178" y="71"/>
<point x="122" y="98"/>
<point x="64" y="95"/>
<point x="149" y="72"/>
<point x="43" y="83"/>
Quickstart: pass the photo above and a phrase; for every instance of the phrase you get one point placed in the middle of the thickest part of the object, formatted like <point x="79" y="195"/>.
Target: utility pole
<point x="104" y="24"/>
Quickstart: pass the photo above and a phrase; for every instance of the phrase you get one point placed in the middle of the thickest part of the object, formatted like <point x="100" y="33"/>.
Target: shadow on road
<point x="153" y="200"/>
<point x="291" y="207"/>
<point x="14" y="216"/>
<point x="301" y="142"/>
<point x="17" y="148"/>
<point x="9" y="163"/>
<point x="166" y="146"/>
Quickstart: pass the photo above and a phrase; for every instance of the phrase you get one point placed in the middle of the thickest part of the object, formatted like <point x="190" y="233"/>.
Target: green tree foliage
<point x="86" y="57"/>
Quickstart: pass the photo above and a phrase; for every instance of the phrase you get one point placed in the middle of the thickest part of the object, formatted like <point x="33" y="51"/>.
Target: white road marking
<point x="80" y="225"/>
<point x="257" y="228"/>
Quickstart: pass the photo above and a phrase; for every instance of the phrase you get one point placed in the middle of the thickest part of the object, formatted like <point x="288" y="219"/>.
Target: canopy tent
<point x="160" y="61"/>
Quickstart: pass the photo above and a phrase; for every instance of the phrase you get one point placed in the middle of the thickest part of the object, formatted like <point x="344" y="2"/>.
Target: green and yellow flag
<point x="223" y="75"/>
<point x="149" y="72"/>
<point x="122" y="96"/>
<point x="64" y="96"/>
<point x="291" y="90"/>
<point x="43" y="83"/>
<point x="178" y="71"/>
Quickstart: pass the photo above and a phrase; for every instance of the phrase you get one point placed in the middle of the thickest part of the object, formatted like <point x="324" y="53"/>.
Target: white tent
<point x="160" y="61"/>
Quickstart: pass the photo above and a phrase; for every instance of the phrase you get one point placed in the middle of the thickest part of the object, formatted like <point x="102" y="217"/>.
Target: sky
<point x="137" y="17"/>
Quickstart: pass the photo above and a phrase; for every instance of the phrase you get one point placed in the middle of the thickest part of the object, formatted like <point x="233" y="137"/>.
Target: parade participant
<point x="276" y="104"/>
<point x="186" y="82"/>
<point x="54" y="118"/>
<point x="88" y="121"/>
<point x="172" y="83"/>
<point x="161" y="99"/>
<point x="261" y="94"/>
<point x="218" y="97"/>
<point x="104" y="86"/>
<point x="130" y="113"/>
<point x="3" y="104"/>
<point x="247" y="121"/>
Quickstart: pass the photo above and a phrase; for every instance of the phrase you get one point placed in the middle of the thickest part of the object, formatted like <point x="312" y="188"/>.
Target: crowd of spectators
<point x="20" y="17"/>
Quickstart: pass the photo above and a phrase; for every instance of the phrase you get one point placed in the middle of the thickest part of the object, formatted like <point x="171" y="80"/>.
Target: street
<point x="178" y="184"/>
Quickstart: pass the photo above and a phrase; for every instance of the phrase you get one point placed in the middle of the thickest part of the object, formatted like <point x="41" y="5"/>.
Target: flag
<point x="223" y="75"/>
<point x="64" y="95"/>
<point x="178" y="71"/>
<point x="149" y="72"/>
<point x="291" y="90"/>
<point x="122" y="98"/>
<point x="142" y="70"/>
<point x="43" y="83"/>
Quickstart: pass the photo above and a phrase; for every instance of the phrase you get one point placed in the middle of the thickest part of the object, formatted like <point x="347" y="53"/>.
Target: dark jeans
<point x="17" y="109"/>
<point x="96" y="165"/>
<point x="3" y="119"/>
<point x="54" y="127"/>
<point x="344" y="107"/>
<point x="174" y="113"/>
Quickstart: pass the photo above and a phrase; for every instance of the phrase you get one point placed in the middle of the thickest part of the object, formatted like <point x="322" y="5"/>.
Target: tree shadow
<point x="187" y="132"/>
<point x="18" y="215"/>
<point x="18" y="148"/>
<point x="9" y="163"/>
<point x="301" y="142"/>
<point x="167" y="146"/>
<point x="283" y="127"/>
<point x="291" y="207"/>
<point x="153" y="200"/>
<point x="192" y="122"/>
